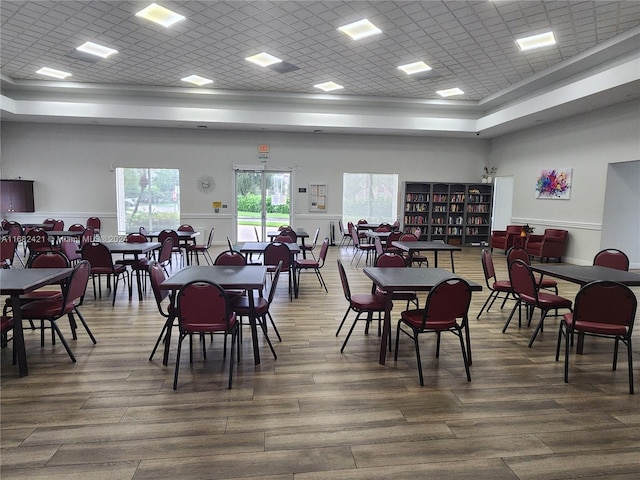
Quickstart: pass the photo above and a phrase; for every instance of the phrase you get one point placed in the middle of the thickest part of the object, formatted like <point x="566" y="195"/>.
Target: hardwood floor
<point x="315" y="413"/>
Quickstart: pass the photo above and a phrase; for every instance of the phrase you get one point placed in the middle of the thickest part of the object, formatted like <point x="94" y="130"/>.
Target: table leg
<point x="386" y="328"/>
<point x="435" y="258"/>
<point x="304" y="251"/>
<point x="18" y="336"/>
<point x="254" y="330"/>
<point x="167" y="335"/>
<point x="453" y="269"/>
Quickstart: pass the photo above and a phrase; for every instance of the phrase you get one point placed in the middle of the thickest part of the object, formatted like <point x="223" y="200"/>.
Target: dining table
<point x="390" y="279"/>
<point x="583" y="274"/>
<point x="18" y="281"/>
<point x="428" y="246"/>
<point x="184" y="237"/>
<point x="258" y="248"/>
<point x="230" y="277"/>
<point x="301" y="234"/>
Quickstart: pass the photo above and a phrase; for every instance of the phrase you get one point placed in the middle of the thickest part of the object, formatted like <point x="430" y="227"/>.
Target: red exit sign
<point x="263" y="148"/>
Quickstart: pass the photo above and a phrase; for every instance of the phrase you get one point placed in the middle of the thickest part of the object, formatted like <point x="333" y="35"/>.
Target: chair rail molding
<point x="566" y="224"/>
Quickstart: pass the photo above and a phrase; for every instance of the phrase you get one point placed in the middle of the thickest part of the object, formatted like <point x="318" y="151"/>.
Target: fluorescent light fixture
<point x="197" y="80"/>
<point x="328" y="86"/>
<point x="450" y="92"/>
<point x="160" y="15"/>
<point x="360" y="29"/>
<point x="95" y="49"/>
<point x="52" y="72"/>
<point x="263" y="59"/>
<point x="416" y="67"/>
<point x="536" y="41"/>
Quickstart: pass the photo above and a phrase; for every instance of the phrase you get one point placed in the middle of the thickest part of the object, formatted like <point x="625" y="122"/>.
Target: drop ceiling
<point x="469" y="44"/>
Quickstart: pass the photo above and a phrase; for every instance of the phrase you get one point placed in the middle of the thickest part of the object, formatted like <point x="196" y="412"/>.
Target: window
<point x="372" y="196"/>
<point x="147" y="197"/>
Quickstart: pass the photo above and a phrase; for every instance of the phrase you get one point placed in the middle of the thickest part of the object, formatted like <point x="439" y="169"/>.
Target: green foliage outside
<point x="253" y="203"/>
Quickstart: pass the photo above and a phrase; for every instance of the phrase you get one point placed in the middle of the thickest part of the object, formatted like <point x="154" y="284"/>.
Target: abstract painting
<point x="554" y="183"/>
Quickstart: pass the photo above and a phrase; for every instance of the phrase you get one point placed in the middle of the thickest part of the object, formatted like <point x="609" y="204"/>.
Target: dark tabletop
<point x="24" y="280"/>
<point x="250" y="277"/>
<point x="299" y="233"/>
<point x="422" y="245"/>
<point x="390" y="278"/>
<point x="125" y="247"/>
<point x="258" y="247"/>
<point x="583" y="274"/>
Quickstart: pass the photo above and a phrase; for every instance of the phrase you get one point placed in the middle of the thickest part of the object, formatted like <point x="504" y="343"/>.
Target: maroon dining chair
<point x="279" y="252"/>
<point x="496" y="287"/>
<point x="195" y="250"/>
<point x="530" y="296"/>
<point x="176" y="249"/>
<point x="446" y="310"/>
<point x="157" y="275"/>
<point x="95" y="223"/>
<point x="99" y="257"/>
<point x="232" y="258"/>
<point x="516" y="252"/>
<point x="204" y="307"/>
<point x="416" y="258"/>
<point x="395" y="260"/>
<point x="361" y="247"/>
<point x="612" y="258"/>
<point x="359" y="303"/>
<point x="52" y="309"/>
<point x="308" y="264"/>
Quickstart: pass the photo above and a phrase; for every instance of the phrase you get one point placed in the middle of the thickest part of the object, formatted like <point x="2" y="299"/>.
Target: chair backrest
<point x="487" y="267"/>
<point x="230" y="257"/>
<point x="70" y="250"/>
<point x="275" y="252"/>
<point x="229" y="243"/>
<point x="378" y="244"/>
<point x="447" y="300"/>
<point x="203" y="307"/>
<point x="97" y="254"/>
<point x="255" y="230"/>
<point x="15" y="231"/>
<point x="168" y="233"/>
<point x="362" y="221"/>
<point x="143" y="231"/>
<point x="48" y="223"/>
<point x="341" y="227"/>
<point x="355" y="237"/>
<point x="315" y="238"/>
<point x="274" y="283"/>
<point x="518" y="253"/>
<point x="157" y="276"/>
<point x="49" y="259"/>
<point x="605" y="302"/>
<point x="88" y="235"/>
<point x="390" y="260"/>
<point x="58" y="225"/>
<point x="136" y="238"/>
<point x="345" y="281"/>
<point x="290" y="233"/>
<point x="612" y="258"/>
<point x="522" y="280"/>
<point x="37" y="239"/>
<point x="324" y="249"/>
<point x="393" y="237"/>
<point x="94" y="222"/>
<point x="210" y="238"/>
<point x="408" y="237"/>
<point x="165" y="251"/>
<point x="350" y="227"/>
<point x="8" y="247"/>
<point x="76" y="285"/>
<point x="284" y="238"/>
<point x="385" y="227"/>
<point x="185" y="228"/>
<point x="284" y="227"/>
<point x="76" y="227"/>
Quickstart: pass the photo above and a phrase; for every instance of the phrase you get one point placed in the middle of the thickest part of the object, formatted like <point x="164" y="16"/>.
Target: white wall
<point x="586" y="143"/>
<point x="71" y="166"/>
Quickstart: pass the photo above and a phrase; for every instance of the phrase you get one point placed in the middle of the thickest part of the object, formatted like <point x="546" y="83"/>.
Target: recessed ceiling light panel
<point x="263" y="59"/>
<point x="52" y="72"/>
<point x="450" y="92"/>
<point x="197" y="80"/>
<point x="95" y="49"/>
<point x="328" y="86"/>
<point x="415" y="67"/>
<point x="536" y="41"/>
<point x="160" y="15"/>
<point x="360" y="29"/>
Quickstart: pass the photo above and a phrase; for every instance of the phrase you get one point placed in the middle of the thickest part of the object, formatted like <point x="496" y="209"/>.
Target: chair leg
<point x="175" y="375"/>
<point x="513" y="310"/>
<point x="417" y="346"/>
<point x="630" y="362"/>
<point x="266" y="336"/>
<point x="539" y="327"/>
<point x="275" y="329"/>
<point x="344" y="344"/>
<point x="491" y="295"/>
<point x="54" y="326"/>
<point x="343" y="319"/>
<point x="464" y="356"/>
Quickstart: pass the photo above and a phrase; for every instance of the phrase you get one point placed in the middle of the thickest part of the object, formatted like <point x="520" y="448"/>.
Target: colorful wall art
<point x="554" y="183"/>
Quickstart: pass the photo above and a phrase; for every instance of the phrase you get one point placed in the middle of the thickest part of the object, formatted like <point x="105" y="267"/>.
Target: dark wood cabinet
<point x="16" y="196"/>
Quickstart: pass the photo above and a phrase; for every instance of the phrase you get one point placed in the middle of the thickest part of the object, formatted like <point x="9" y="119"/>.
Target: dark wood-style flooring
<point x="315" y="413"/>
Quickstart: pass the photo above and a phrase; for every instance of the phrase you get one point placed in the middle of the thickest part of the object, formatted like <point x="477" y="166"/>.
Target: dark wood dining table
<point x="392" y="279"/>
<point x="16" y="282"/>
<point x="248" y="277"/>
<point x="300" y="233"/>
<point x="428" y="246"/>
<point x="258" y="248"/>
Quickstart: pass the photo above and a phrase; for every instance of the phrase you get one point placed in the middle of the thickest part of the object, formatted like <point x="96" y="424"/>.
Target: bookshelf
<point x="456" y="213"/>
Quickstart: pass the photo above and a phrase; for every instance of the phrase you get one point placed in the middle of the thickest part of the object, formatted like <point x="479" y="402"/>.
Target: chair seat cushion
<point x="240" y="305"/>
<point x="307" y="263"/>
<point x="6" y="324"/>
<point x="595" y="327"/>
<point x="546" y="282"/>
<point x="502" y="286"/>
<point x="549" y="301"/>
<point x="368" y="302"/>
<point x="44" y="308"/>
<point x="210" y="327"/>
<point x="414" y="319"/>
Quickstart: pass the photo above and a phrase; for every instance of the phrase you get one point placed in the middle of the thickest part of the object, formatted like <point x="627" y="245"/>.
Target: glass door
<point x="262" y="203"/>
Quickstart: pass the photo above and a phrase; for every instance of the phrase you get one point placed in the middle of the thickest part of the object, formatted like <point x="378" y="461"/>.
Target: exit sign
<point x="263" y="148"/>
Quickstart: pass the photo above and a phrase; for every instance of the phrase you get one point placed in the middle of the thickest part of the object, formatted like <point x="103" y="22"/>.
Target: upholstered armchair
<point x="504" y="238"/>
<point x="550" y="245"/>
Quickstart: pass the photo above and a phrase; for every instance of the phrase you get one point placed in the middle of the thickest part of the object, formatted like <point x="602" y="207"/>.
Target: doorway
<point x="263" y="203"/>
<point x="502" y="203"/>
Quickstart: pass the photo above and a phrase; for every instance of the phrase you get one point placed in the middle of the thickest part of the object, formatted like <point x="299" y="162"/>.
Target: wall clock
<point x="206" y="183"/>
